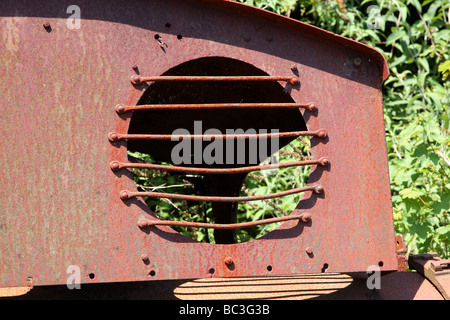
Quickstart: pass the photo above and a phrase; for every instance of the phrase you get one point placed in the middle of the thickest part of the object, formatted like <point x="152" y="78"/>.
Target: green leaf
<point x="411" y="193"/>
<point x="395" y="36"/>
<point x="444" y="231"/>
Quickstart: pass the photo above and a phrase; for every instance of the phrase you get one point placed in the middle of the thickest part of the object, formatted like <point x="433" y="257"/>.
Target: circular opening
<point x="257" y="120"/>
<point x="157" y="36"/>
<point x="168" y="25"/>
<point x="211" y="271"/>
<point x="380" y="264"/>
<point x="152" y="273"/>
<point x="179" y="37"/>
<point x="92" y="276"/>
<point x="325" y="267"/>
<point x="269" y="268"/>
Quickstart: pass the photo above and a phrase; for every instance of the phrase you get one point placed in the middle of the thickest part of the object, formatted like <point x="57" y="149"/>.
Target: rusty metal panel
<point x="61" y="203"/>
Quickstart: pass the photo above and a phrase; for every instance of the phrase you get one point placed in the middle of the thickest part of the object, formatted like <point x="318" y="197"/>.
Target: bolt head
<point x="145" y="257"/>
<point x="228" y="260"/>
<point x="308" y="250"/>
<point x="46" y="24"/>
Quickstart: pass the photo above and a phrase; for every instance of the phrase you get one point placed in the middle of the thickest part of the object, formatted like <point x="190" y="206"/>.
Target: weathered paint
<point x="61" y="204"/>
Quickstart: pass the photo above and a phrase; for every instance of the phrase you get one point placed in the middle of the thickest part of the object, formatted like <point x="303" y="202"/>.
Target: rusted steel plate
<point x="60" y="86"/>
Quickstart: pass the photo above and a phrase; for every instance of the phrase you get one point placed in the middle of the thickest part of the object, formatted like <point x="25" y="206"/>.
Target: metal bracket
<point x="434" y="269"/>
<point x="401" y="253"/>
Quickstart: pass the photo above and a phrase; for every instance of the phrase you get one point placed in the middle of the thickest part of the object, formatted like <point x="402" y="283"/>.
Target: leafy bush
<point x="413" y="36"/>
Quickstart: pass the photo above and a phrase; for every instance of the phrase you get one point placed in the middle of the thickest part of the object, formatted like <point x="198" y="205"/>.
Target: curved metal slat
<point x="144" y="223"/>
<point x="114" y="136"/>
<point x="138" y="79"/>
<point x="116" y="165"/>
<point x="126" y="194"/>
<point x="120" y="108"/>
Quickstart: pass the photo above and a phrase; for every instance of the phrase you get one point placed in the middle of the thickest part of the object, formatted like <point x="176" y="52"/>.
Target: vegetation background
<point x="413" y="36"/>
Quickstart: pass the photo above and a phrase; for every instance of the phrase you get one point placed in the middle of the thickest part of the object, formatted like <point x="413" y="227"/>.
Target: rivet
<point x="247" y="38"/>
<point x="318" y="189"/>
<point x="312" y="107"/>
<point x="142" y="223"/>
<point x="120" y="108"/>
<point x="114" y="165"/>
<point x="294" y="81"/>
<point x="46" y="24"/>
<point x="145" y="257"/>
<point x="124" y="195"/>
<point x="135" y="79"/>
<point x="228" y="260"/>
<point x="322" y="134"/>
<point x="357" y="62"/>
<point x="306" y="217"/>
<point x="324" y="161"/>
<point x="113" y="136"/>
<point x="308" y="250"/>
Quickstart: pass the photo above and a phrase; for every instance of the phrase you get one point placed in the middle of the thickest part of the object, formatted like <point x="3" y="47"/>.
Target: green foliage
<point x="256" y="183"/>
<point x="413" y="36"/>
<point x="277" y="180"/>
<point x="278" y="6"/>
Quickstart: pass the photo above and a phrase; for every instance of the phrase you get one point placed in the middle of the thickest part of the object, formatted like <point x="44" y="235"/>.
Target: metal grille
<point x="127" y="194"/>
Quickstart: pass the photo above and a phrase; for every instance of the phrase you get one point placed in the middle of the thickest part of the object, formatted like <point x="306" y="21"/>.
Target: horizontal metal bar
<point x="114" y="136"/>
<point x="126" y="194"/>
<point x="120" y="108"/>
<point x="116" y="165"/>
<point x="144" y="223"/>
<point x="291" y="79"/>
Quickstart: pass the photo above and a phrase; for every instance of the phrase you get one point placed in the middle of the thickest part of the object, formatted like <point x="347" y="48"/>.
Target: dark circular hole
<point x="325" y="267"/>
<point x="157" y="36"/>
<point x="168" y="25"/>
<point x="179" y="37"/>
<point x="152" y="273"/>
<point x="269" y="268"/>
<point x="157" y="122"/>
<point x="91" y="276"/>
<point x="380" y="264"/>
<point x="211" y="271"/>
